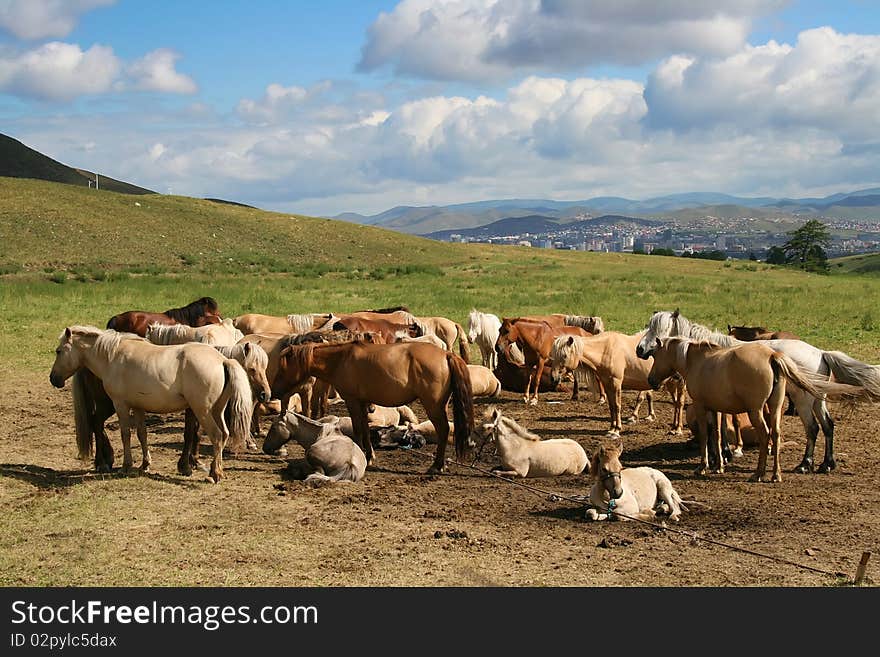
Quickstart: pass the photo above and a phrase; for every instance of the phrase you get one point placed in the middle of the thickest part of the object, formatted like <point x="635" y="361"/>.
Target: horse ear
<point x="675" y="314"/>
<point x="570" y="340"/>
<point x="247" y="348"/>
<point x="657" y="343"/>
<point x="67" y="333"/>
<point x="729" y="329"/>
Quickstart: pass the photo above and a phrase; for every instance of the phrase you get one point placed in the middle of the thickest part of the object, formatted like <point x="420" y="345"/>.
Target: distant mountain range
<point x="536" y="224"/>
<point x="20" y="161"/>
<point x="436" y="221"/>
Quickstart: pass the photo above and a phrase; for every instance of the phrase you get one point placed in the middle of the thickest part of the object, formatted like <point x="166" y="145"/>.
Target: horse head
<point x="485" y="432"/>
<point x="279" y="434"/>
<point x="256" y="360"/>
<point x="606" y="469"/>
<point x="664" y="362"/>
<point x="68" y="359"/>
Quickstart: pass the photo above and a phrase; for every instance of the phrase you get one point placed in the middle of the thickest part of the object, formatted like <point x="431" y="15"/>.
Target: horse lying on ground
<point x="332" y="455"/>
<point x="483" y="331"/>
<point x="620" y="493"/>
<point x="524" y="454"/>
<point x="483" y="382"/>
<point x="141" y="377"/>
<point x="413" y="434"/>
<point x="196" y="313"/>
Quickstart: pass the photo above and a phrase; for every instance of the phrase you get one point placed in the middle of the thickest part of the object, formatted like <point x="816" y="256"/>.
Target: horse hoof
<point x="827" y="467"/>
<point x="435" y="470"/>
<point x="805" y="467"/>
<point x="701" y="471"/>
<point x="650" y="418"/>
<point x="737" y="453"/>
<point x="631" y="420"/>
<point x="775" y="479"/>
<point x="674" y="432"/>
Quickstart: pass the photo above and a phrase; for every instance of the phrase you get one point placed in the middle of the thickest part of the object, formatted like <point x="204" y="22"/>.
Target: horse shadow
<point x="572" y="514"/>
<point x="51" y="479"/>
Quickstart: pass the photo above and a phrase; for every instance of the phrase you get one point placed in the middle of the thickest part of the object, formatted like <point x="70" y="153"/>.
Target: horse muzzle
<point x="642" y="353"/>
<point x="56" y="380"/>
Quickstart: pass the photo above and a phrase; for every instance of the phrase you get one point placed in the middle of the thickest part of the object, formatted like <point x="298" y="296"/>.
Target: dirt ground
<point x="400" y="526"/>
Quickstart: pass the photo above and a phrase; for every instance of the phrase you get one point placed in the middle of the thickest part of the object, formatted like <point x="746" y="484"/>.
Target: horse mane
<point x="165" y="334"/>
<point x="192" y="311"/>
<point x="334" y="336"/>
<point x="519" y="430"/>
<point x="300" y="323"/>
<point x="756" y="329"/>
<point x="387" y="311"/>
<point x="591" y="324"/>
<point x="108" y="341"/>
<point x="681" y="326"/>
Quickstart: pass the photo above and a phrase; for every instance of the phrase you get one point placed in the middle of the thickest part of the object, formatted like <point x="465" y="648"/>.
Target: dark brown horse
<point x="751" y="333"/>
<point x="391" y="375"/>
<point x="198" y="313"/>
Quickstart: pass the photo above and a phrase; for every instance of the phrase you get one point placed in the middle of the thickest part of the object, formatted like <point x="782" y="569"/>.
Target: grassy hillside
<point x="868" y="263"/>
<point x="49" y="226"/>
<point x="20" y="161"/>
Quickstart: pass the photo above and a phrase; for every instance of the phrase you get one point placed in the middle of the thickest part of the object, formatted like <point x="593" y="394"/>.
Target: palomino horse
<point x="812" y="410"/>
<point x="197" y="313"/>
<point x="222" y="334"/>
<point x="751" y="333"/>
<point x="256" y="323"/>
<point x="483" y="382"/>
<point x="536" y="340"/>
<point x="141" y="377"/>
<point x="391" y="375"/>
<point x="483" y="331"/>
<point x="331" y="455"/>
<point x="523" y="453"/>
<point x="620" y="493"/>
<point x="610" y="358"/>
<point x="740" y="379"/>
<point x="448" y="331"/>
<point x="429" y="339"/>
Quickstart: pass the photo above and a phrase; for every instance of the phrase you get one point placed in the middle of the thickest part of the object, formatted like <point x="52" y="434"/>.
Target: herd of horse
<point x="225" y="373"/>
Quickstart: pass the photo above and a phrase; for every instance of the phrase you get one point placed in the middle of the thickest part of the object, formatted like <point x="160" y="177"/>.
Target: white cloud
<point x="493" y="39"/>
<point x="155" y="72"/>
<point x="59" y="71"/>
<point x="827" y="80"/>
<point x="39" y="19"/>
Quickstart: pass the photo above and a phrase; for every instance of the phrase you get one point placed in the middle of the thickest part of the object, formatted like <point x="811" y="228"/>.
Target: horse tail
<point x="238" y="402"/>
<point x="816" y="385"/>
<point x="83" y="414"/>
<point x="847" y="369"/>
<point x="462" y="342"/>
<point x="462" y="402"/>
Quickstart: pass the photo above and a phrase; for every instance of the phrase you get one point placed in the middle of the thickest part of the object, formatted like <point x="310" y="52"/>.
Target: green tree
<point x="806" y="246"/>
<point x="776" y="255"/>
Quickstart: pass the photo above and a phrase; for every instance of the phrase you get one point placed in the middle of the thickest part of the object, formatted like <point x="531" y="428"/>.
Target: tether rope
<point x="554" y="497"/>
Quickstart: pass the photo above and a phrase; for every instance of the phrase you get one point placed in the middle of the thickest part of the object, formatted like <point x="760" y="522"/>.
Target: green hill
<point x="46" y="225"/>
<point x="868" y="263"/>
<point x="20" y="161"/>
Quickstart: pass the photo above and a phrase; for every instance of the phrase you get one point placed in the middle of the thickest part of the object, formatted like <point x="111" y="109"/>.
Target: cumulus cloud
<point x="827" y="80"/>
<point x="491" y="39"/>
<point x="39" y="19"/>
<point x="155" y="72"/>
<point x="59" y="71"/>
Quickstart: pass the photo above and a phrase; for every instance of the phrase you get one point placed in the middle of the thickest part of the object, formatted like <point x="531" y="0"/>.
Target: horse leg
<point x="676" y="391"/>
<point x="716" y="446"/>
<point x="539" y="370"/>
<point x="634" y="416"/>
<point x="775" y="404"/>
<point x="651" y="416"/>
<point x="703" y="438"/>
<point x="575" y="392"/>
<point x="218" y="441"/>
<point x="804" y="403"/>
<point x="361" y="427"/>
<point x="123" y="412"/>
<point x="615" y="400"/>
<point x="103" y="448"/>
<point x="437" y="416"/>
<point x="140" y="423"/>
<point x="189" y="457"/>
<point x="757" y="418"/>
<point x="820" y="412"/>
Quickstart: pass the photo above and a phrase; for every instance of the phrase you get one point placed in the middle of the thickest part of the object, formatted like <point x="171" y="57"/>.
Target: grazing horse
<point x="610" y="358"/>
<point x="523" y="453"/>
<point x="740" y="379"/>
<point x="751" y="333"/>
<point x="332" y="455"/>
<point x="483" y="331"/>
<point x="620" y="493"/>
<point x="222" y="334"/>
<point x="141" y="377"/>
<point x="536" y="340"/>
<point x="197" y="313"/>
<point x="391" y="375"/>
<point x="812" y="410"/>
<point x="446" y="330"/>
<point x="257" y="323"/>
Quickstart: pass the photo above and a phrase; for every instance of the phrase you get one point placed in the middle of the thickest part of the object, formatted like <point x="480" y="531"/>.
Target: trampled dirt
<point x="400" y="526"/>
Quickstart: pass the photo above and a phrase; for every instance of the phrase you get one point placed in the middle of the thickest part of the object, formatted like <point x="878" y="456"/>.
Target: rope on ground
<point x="556" y="497"/>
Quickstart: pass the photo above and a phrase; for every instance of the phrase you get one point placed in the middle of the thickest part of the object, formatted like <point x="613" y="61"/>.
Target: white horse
<point x="624" y="493"/>
<point x="223" y="334"/>
<point x="483" y="331"/>
<point x="332" y="455"/>
<point x="842" y="367"/>
<point x="483" y="382"/>
<point x="141" y="377"/>
<point x="524" y="454"/>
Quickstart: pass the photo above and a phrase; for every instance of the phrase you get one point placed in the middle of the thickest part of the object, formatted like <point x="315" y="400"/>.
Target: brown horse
<point x="751" y="333"/>
<point x="197" y="313"/>
<point x="536" y="340"/>
<point x="611" y="359"/>
<point x="515" y="377"/>
<point x="742" y="379"/>
<point x="592" y="324"/>
<point x="391" y="375"/>
<point x="387" y="329"/>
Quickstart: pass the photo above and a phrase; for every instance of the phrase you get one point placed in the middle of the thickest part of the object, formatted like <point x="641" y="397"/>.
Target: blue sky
<point x="325" y="107"/>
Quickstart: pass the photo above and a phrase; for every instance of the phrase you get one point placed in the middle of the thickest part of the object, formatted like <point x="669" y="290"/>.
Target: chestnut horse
<point x="391" y="375"/>
<point x="751" y="333"/>
<point x="536" y="340"/>
<point x="389" y="330"/>
<point x="197" y="313"/>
